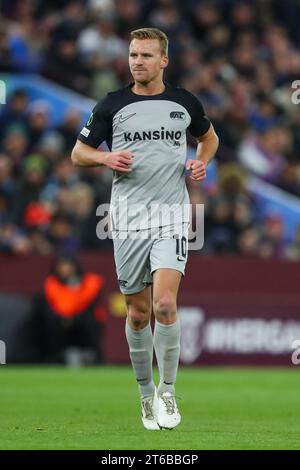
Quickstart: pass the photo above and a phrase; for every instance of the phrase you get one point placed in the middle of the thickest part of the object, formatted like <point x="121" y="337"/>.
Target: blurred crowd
<point x="239" y="57"/>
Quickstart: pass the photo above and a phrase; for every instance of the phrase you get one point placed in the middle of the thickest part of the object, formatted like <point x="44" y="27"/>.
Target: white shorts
<point x="137" y="258"/>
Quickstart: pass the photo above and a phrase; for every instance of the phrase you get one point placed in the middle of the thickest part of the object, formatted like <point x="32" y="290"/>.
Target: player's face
<point x="146" y="60"/>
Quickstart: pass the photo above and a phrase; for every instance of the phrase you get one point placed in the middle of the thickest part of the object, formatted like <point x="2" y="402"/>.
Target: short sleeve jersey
<point x="154" y="129"/>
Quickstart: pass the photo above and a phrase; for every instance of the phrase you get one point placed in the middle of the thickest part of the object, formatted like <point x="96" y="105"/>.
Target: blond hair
<point x="152" y="33"/>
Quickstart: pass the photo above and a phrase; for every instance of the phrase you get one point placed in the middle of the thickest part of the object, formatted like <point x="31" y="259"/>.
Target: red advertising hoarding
<point x="233" y="311"/>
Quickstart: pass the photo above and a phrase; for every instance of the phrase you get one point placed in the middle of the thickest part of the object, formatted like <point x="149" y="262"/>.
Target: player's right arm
<point x="98" y="129"/>
<point x="86" y="156"/>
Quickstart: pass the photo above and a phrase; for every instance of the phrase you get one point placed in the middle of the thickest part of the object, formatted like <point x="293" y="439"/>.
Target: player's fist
<point x="197" y="168"/>
<point x="119" y="161"/>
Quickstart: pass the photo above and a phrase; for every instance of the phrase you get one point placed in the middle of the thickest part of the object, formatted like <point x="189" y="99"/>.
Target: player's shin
<point x="167" y="350"/>
<point x="140" y="344"/>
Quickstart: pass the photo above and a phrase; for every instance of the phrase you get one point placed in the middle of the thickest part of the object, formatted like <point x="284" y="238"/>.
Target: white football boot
<point x="168" y="415"/>
<point x="149" y="412"/>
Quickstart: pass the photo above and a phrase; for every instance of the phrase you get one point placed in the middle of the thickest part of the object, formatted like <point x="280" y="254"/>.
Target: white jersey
<point x="154" y="129"/>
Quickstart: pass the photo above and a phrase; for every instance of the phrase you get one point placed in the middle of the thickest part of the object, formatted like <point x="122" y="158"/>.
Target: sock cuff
<point x="142" y="332"/>
<point x="167" y="330"/>
<point x="163" y="326"/>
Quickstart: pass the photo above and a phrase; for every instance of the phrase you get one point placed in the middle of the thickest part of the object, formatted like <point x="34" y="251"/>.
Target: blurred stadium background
<point x="240" y="302"/>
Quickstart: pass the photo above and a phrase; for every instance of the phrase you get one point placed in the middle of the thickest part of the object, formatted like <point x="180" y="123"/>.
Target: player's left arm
<point x="207" y="146"/>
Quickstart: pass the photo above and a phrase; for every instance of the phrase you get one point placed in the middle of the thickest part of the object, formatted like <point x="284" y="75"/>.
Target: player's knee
<point x="165" y="309"/>
<point x="137" y="319"/>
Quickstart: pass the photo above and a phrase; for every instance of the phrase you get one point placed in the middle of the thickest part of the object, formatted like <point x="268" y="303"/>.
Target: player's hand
<point x="198" y="171"/>
<point x="119" y="161"/>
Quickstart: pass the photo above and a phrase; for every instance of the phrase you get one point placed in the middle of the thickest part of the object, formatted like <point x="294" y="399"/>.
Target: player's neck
<point x="152" y="88"/>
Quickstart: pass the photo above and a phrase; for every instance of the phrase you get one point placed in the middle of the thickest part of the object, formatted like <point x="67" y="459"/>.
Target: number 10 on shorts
<point x="181" y="248"/>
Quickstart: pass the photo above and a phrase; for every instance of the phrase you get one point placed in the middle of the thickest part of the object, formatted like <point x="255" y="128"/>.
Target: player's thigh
<point x="139" y="308"/>
<point x="167" y="259"/>
<point x="166" y="281"/>
<point x="132" y="264"/>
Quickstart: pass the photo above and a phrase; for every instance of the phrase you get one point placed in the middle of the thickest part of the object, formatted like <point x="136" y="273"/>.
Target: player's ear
<point x="164" y="62"/>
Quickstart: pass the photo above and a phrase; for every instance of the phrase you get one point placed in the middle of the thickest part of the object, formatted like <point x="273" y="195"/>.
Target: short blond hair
<point x="152" y="33"/>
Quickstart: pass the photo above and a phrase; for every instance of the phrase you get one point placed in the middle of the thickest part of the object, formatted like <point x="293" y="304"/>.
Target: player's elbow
<point x="213" y="145"/>
<point x="217" y="142"/>
<point x="75" y="157"/>
<point x="214" y="141"/>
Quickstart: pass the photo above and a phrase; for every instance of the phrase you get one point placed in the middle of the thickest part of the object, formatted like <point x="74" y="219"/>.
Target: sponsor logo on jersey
<point x="122" y="283"/>
<point x="177" y="115"/>
<point x="160" y="134"/>
<point x="124" y="118"/>
<point x="85" y="132"/>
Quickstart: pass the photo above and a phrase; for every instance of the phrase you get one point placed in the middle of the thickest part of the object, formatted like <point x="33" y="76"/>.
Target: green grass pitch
<point x="98" y="408"/>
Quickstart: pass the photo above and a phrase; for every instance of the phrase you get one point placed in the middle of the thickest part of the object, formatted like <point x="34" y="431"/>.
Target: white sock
<point x="167" y="350"/>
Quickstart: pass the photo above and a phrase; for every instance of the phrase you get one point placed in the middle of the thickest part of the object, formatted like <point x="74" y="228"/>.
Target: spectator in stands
<point x="63" y="175"/>
<point x="248" y="242"/>
<point x="6" y="59"/>
<point x="34" y="173"/>
<point x="272" y="244"/>
<point x="69" y="129"/>
<point x="8" y="188"/>
<point x="52" y="146"/>
<point x="293" y="251"/>
<point x="38" y="122"/>
<point x="12" y="239"/>
<point x="219" y="229"/>
<point x="14" y="112"/>
<point x="64" y="65"/>
<point x="61" y="234"/>
<point x="15" y="144"/>
<point x="128" y="17"/>
<point x="72" y="314"/>
<point x="263" y="154"/>
<point x="100" y="44"/>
